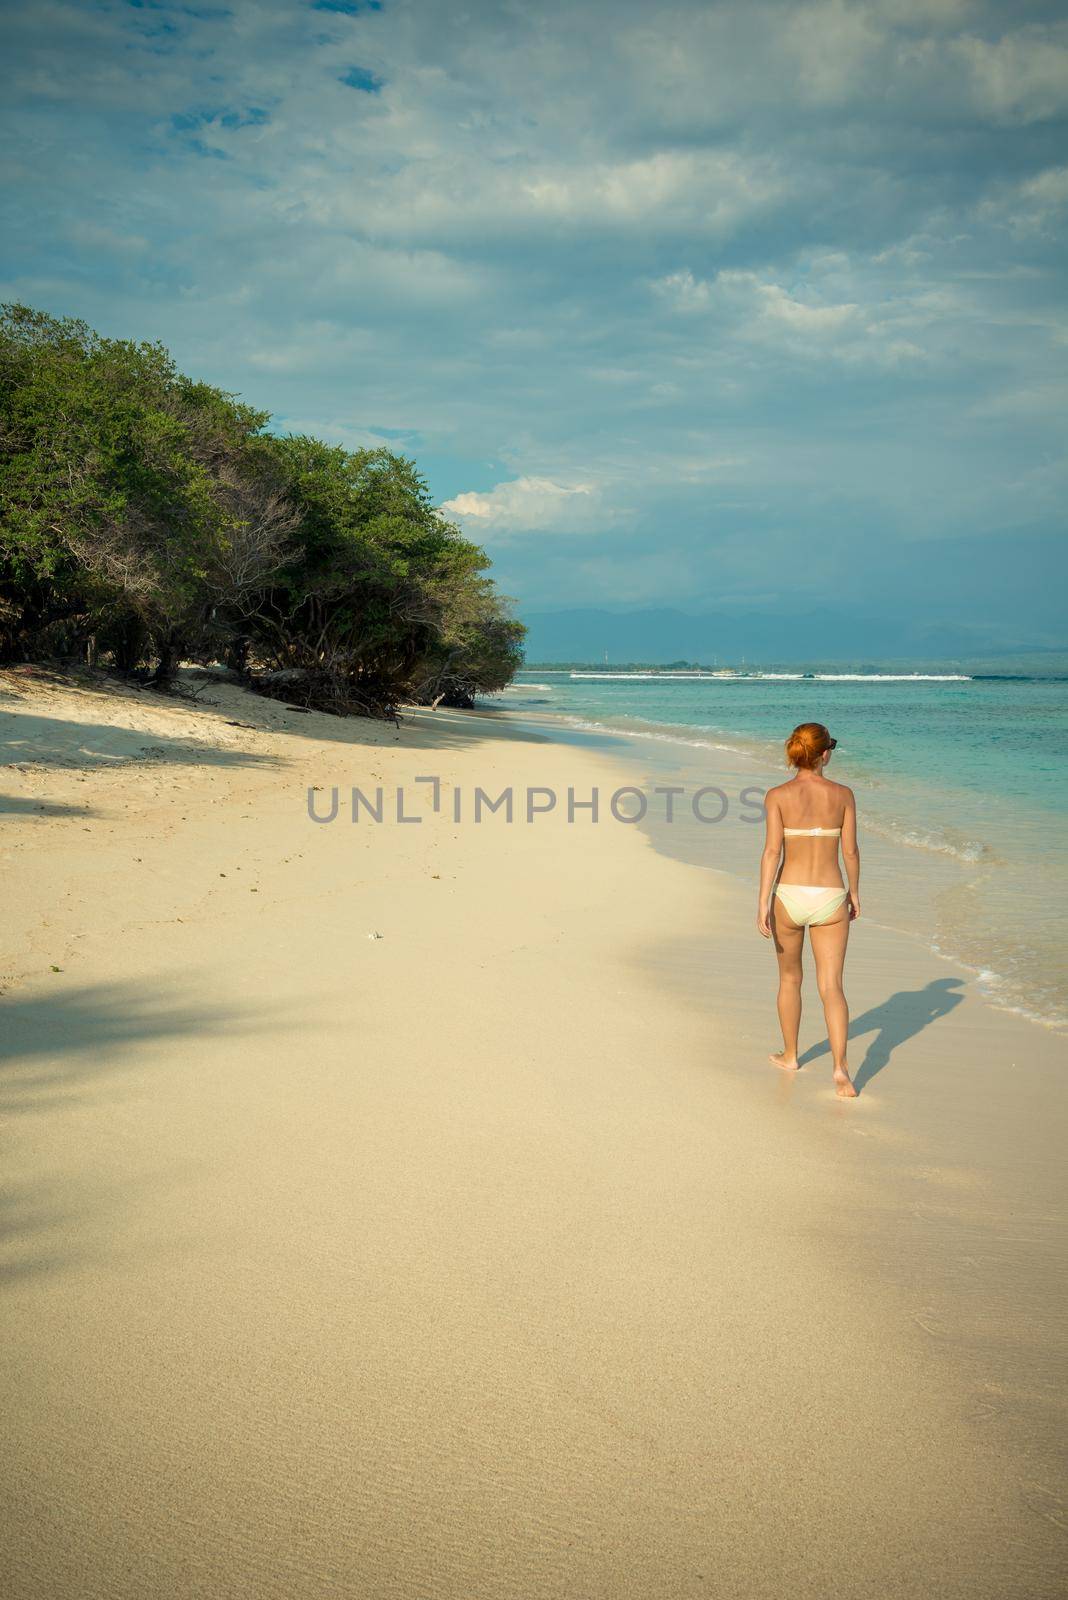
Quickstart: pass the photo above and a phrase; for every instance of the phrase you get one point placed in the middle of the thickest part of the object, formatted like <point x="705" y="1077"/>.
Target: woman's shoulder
<point x="844" y="793"/>
<point x="775" y="791"/>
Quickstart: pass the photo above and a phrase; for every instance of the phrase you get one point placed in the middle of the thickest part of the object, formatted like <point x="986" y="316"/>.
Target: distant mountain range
<point x="661" y="634"/>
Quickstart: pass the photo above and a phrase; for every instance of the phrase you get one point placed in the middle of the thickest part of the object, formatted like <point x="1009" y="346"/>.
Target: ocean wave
<point x="586" y="725"/>
<point x="1003" y="993"/>
<point x="935" y="840"/>
<point x="656" y="677"/>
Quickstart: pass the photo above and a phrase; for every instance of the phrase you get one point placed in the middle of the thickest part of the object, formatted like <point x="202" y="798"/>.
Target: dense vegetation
<point x="147" y="519"/>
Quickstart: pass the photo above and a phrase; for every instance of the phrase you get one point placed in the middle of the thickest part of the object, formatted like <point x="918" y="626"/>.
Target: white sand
<point x="485" y="1258"/>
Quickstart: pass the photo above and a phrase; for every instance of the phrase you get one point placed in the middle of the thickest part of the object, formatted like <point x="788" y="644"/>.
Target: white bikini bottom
<point x="809" y="904"/>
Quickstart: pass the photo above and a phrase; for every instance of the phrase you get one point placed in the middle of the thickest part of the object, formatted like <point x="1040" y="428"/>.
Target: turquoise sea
<point x="961" y="777"/>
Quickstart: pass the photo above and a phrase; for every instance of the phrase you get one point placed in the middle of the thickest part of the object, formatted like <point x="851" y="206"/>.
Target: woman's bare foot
<point x="843" y="1085"/>
<point x="787" y="1063"/>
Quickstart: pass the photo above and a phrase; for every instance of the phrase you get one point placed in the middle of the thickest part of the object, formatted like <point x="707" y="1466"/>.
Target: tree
<point x="146" y="518"/>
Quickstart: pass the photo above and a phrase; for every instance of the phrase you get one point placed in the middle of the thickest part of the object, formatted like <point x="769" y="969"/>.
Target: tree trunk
<point x="130" y="648"/>
<point x="167" y="664"/>
<point x="237" y="657"/>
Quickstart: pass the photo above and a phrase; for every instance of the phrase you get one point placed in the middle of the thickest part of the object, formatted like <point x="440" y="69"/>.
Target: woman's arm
<point x="851" y="853"/>
<point x="769" y="861"/>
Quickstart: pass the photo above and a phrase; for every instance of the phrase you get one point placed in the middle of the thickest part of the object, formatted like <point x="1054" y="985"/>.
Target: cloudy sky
<point x="707" y="304"/>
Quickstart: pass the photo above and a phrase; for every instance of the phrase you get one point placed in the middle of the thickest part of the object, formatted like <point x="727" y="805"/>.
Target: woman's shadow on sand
<point x="901" y="1017"/>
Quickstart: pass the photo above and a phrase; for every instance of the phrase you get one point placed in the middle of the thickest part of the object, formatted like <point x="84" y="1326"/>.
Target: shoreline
<point x="486" y="1257"/>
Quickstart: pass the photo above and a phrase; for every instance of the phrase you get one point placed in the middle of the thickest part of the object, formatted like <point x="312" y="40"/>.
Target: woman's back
<point x="811" y="802"/>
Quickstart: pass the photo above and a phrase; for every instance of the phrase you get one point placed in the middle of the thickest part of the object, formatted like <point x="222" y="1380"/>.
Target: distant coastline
<point x="1023" y="664"/>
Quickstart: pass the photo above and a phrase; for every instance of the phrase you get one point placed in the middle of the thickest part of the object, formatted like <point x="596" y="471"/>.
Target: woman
<point x="807" y="818"/>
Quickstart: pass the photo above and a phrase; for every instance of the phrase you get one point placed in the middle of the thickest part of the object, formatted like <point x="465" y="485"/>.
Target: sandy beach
<point x="408" y="1210"/>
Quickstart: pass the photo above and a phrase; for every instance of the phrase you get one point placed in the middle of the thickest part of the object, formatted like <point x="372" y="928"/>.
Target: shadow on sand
<point x="30" y="734"/>
<point x="63" y="1048"/>
<point x="26" y="806"/>
<point x="52" y="742"/>
<point x="897" y="1020"/>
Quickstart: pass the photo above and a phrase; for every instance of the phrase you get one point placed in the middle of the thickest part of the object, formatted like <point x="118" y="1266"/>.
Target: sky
<point x="705" y="305"/>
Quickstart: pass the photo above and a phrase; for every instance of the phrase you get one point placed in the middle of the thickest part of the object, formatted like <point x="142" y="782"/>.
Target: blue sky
<point x="703" y="305"/>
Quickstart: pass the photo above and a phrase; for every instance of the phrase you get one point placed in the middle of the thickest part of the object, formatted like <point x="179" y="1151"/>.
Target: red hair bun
<point x="806" y="745"/>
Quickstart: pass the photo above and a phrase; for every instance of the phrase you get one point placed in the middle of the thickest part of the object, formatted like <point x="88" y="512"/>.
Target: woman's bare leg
<point x="829" y="940"/>
<point x="789" y="939"/>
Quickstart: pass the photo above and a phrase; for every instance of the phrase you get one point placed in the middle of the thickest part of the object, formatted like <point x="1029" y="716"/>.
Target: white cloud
<point x="751" y="307"/>
<point x="526" y="505"/>
<point x="459" y="191"/>
<point x="1048" y="191"/>
<point x="1033" y="206"/>
<point x="1022" y="76"/>
<point x="832" y="44"/>
<point x="748" y="295"/>
<point x="817" y="322"/>
<point x="709" y="190"/>
<point x="683" y="292"/>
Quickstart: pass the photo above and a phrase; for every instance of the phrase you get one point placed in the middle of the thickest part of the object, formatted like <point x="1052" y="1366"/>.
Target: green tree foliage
<point x="146" y="519"/>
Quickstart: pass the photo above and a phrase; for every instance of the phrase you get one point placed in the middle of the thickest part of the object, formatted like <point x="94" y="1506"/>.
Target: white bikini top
<point x="812" y="833"/>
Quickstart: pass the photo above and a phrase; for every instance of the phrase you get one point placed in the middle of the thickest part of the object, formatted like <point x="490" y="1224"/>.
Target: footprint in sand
<point x="931" y="1323"/>
<point x="983" y="1412"/>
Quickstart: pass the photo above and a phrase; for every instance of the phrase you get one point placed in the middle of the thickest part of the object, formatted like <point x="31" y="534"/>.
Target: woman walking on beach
<point x="807" y="818"/>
